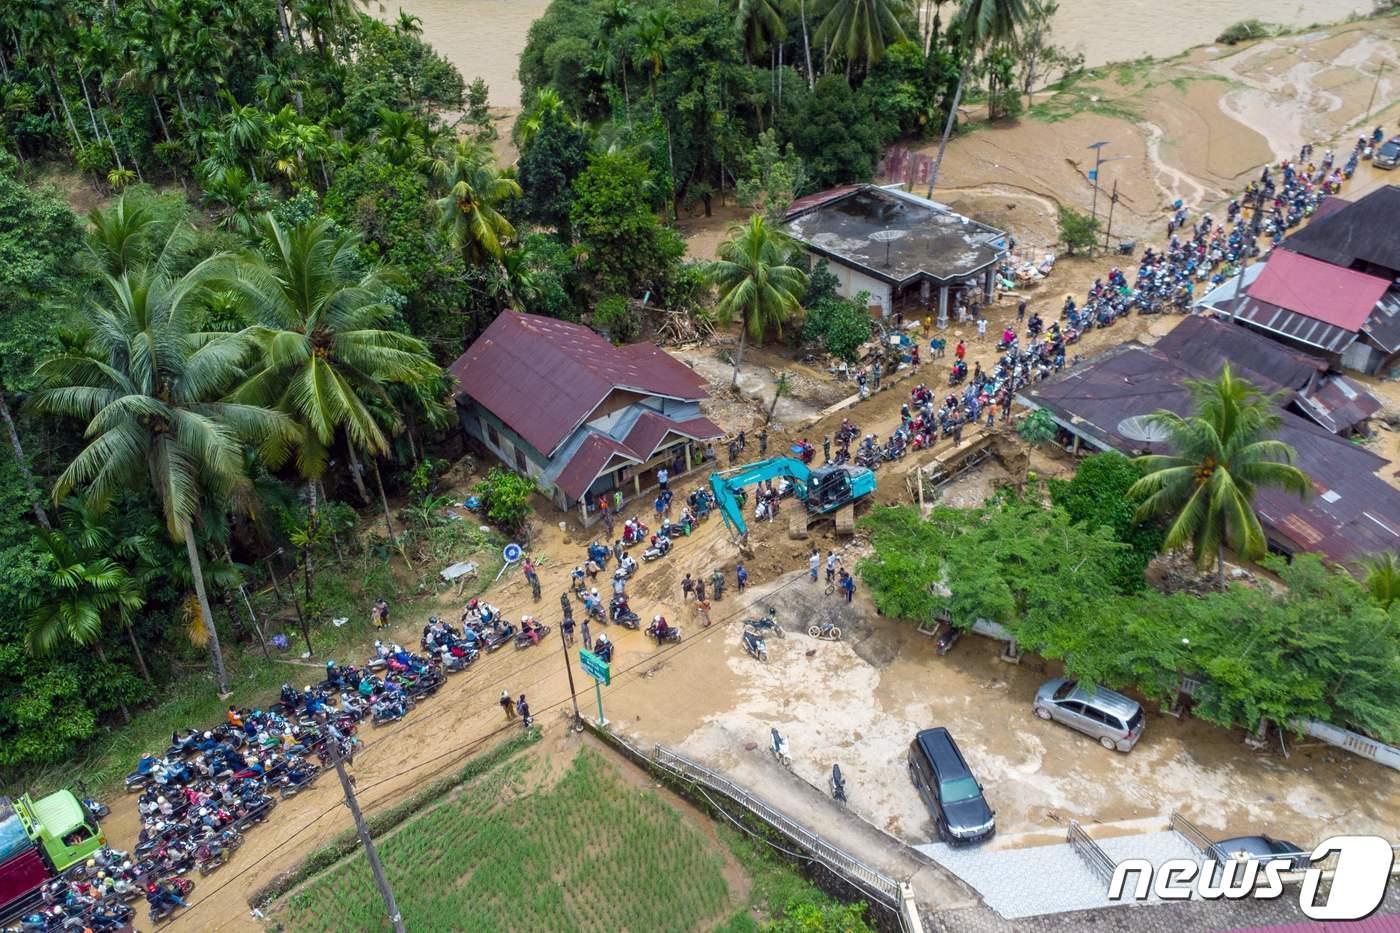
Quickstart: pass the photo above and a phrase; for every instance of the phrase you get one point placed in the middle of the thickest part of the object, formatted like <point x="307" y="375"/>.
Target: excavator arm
<point x="726" y="483"/>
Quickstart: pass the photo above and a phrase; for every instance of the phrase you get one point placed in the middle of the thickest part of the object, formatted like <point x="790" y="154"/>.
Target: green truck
<point x="39" y="840"/>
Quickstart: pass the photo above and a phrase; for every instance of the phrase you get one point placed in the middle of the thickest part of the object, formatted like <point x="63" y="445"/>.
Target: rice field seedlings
<point x="522" y="850"/>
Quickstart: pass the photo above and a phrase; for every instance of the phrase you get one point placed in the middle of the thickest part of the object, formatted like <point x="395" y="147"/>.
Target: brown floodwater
<point x="484" y="38"/>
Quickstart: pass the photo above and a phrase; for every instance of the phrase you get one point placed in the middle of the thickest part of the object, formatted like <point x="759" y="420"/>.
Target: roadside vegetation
<point x="1066" y="579"/>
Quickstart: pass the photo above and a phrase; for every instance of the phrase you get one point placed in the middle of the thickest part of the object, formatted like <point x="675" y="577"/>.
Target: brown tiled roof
<point x="543" y="376"/>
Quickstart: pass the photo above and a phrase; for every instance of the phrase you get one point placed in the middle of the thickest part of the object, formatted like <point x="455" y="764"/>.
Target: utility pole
<point x="1112" y="202"/>
<point x="1375" y="87"/>
<point x="569" y="669"/>
<point x="333" y="740"/>
<point x="1094" y="175"/>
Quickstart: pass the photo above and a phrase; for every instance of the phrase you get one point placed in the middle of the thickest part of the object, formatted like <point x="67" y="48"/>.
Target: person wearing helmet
<point x="660" y="626"/>
<point x="531" y="628"/>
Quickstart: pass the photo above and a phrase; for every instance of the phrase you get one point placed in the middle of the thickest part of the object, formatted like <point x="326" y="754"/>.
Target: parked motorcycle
<point x="209" y="857"/>
<point x="779" y="748"/>
<point x="838" y="784"/>
<point x="290" y="787"/>
<point x="94" y="806"/>
<point x="755" y="646"/>
<point x="769" y="623"/>
<point x="827" y="631"/>
<point x="495" y="638"/>
<point x="948" y="635"/>
<point x="386" y="711"/>
<point x="627" y="619"/>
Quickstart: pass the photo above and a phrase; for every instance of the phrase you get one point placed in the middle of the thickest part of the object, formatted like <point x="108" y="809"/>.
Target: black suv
<point x="953" y="796"/>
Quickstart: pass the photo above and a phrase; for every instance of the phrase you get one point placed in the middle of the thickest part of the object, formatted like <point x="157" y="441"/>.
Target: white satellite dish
<point x="1141" y="428"/>
<point x="887" y="237"/>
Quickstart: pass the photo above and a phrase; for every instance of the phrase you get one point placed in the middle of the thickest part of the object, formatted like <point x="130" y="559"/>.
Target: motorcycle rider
<point x="660" y="627"/>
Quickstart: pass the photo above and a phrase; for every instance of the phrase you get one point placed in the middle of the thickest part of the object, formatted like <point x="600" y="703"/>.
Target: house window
<point x="520" y="461"/>
<point x="492" y="436"/>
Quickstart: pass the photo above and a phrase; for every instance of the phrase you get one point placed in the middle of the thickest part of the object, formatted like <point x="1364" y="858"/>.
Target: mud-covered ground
<point x="858" y="703"/>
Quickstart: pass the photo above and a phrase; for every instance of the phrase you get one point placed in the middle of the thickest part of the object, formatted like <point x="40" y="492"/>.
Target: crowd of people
<point x="1203" y="253"/>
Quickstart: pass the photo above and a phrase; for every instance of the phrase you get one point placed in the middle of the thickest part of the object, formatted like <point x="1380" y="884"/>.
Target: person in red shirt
<point x="961" y="351"/>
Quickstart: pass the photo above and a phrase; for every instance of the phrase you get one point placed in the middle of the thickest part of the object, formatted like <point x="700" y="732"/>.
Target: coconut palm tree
<point x="759" y="24"/>
<point x="236" y="199"/>
<point x="79" y="591"/>
<point x="1222" y="455"/>
<point x="131" y="234"/>
<point x="860" y="30"/>
<point x="320" y="341"/>
<point x="980" y="23"/>
<point x="470" y="211"/>
<point x="152" y="390"/>
<point x="1383" y="577"/>
<point x="755" y="284"/>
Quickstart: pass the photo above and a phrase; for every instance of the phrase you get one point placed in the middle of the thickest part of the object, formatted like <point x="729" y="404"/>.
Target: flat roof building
<point x="911" y="254"/>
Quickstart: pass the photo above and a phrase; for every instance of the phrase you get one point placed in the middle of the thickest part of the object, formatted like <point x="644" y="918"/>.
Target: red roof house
<point x="556" y="401"/>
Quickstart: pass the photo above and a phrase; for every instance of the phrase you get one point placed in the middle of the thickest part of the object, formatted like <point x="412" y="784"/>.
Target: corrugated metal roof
<point x="1327" y="293"/>
<point x="809" y="201"/>
<point x="1338" y="404"/>
<point x="929" y="239"/>
<point x="1383" y="326"/>
<point x="597" y="451"/>
<point x="1353" y="512"/>
<point x="1204" y="344"/>
<point x="543" y="376"/>
<point x="1361" y="233"/>
<point x="1299" y="327"/>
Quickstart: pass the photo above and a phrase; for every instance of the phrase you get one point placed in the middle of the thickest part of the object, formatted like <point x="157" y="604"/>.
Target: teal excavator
<point x="823" y="490"/>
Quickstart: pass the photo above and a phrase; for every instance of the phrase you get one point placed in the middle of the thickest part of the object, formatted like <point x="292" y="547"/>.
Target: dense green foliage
<point x="505" y="497"/>
<point x="756" y="285"/>
<point x="838" y="325"/>
<point x="694" y="85"/>
<point x="1037" y="427"/>
<point x="625" y="248"/>
<point x="1078" y="231"/>
<point x="1322" y="648"/>
<point x="1097" y="495"/>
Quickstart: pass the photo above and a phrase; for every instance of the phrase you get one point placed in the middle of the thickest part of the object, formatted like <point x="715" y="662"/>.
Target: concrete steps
<point x="1046" y="879"/>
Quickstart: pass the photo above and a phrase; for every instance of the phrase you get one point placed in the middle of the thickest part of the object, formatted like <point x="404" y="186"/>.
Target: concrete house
<point x="912" y="255"/>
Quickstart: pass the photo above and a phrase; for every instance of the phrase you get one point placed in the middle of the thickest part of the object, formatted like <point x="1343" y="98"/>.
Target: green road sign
<point x="595" y="667"/>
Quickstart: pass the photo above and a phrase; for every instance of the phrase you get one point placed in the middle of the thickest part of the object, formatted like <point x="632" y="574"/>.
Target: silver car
<point x="1115" y="720"/>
